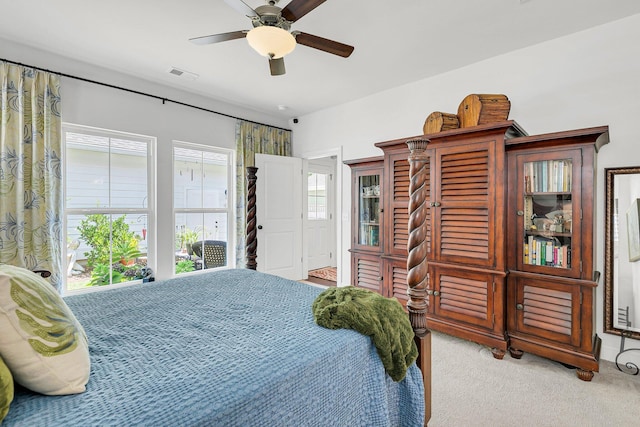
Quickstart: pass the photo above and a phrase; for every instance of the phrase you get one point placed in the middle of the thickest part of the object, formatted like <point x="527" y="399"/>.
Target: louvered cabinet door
<point x="397" y="197"/>
<point x="395" y="280"/>
<point x="366" y="272"/>
<point x="466" y="197"/>
<point x="465" y="296"/>
<point x="545" y="308"/>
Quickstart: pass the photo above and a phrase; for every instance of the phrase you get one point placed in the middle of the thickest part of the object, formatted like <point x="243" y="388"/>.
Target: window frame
<point x="316" y="198"/>
<point x="149" y="210"/>
<point x="230" y="209"/>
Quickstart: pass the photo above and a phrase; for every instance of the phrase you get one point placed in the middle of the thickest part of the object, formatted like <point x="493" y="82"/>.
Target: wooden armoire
<point x="482" y="218"/>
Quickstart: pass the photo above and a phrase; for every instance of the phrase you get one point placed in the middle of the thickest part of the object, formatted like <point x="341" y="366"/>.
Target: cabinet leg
<point x="584" y="375"/>
<point x="516" y="354"/>
<point x="497" y="354"/>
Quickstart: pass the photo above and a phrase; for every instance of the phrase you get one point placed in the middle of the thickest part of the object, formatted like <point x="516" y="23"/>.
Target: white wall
<point x="103" y="107"/>
<point x="583" y="80"/>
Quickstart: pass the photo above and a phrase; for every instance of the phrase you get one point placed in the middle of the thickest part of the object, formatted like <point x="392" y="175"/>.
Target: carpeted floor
<point x="471" y="388"/>
<point x="317" y="285"/>
<point x="325" y="273"/>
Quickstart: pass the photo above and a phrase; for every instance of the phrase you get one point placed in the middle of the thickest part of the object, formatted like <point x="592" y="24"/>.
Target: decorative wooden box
<point x="483" y="109"/>
<point x="437" y="122"/>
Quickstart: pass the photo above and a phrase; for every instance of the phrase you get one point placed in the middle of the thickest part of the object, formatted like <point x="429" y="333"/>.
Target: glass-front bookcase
<point x="549" y="205"/>
<point x="369" y="210"/>
<point x="367" y="223"/>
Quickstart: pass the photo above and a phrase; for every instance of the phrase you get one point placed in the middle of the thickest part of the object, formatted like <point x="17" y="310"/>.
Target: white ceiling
<point x="396" y="42"/>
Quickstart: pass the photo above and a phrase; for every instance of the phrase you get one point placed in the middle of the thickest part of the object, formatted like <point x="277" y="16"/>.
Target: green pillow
<point x="6" y="390"/>
<point x="42" y="342"/>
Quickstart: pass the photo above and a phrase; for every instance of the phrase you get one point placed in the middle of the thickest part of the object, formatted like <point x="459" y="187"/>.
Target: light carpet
<point x="317" y="285"/>
<point x="471" y="388"/>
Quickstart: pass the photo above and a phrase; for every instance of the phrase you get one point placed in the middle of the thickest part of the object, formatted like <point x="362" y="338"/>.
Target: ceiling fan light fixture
<point x="272" y="42"/>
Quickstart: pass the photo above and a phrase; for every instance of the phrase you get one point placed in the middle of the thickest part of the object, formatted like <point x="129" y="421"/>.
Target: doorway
<point x="279" y="211"/>
<point x="321" y="229"/>
<point x="320" y="240"/>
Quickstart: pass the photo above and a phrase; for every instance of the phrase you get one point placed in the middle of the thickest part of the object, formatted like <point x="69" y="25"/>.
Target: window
<point x="317" y="195"/>
<point x="203" y="206"/>
<point x="108" y="179"/>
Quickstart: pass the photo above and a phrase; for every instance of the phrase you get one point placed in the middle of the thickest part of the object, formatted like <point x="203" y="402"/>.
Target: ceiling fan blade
<point x="217" y="38"/>
<point x="241" y="7"/>
<point x="323" y="44"/>
<point x="276" y="66"/>
<point x="296" y="9"/>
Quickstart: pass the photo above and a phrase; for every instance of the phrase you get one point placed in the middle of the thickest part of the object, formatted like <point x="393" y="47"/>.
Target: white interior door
<point x="279" y="216"/>
<point x="321" y="241"/>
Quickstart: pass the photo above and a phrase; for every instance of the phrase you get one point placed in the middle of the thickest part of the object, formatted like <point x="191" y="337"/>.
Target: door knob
<point x="259" y="227"/>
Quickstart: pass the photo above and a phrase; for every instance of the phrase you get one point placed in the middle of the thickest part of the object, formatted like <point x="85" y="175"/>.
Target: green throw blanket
<point x="383" y="319"/>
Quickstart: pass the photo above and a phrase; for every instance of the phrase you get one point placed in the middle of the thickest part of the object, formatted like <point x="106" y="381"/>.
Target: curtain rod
<point x="139" y="93"/>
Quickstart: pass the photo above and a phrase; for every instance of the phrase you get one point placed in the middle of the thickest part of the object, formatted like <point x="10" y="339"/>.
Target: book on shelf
<point x="370" y="234"/>
<point x="374" y="235"/>
<point x="528" y="212"/>
<point x="548" y="176"/>
<point x="545" y="251"/>
<point x="549" y="250"/>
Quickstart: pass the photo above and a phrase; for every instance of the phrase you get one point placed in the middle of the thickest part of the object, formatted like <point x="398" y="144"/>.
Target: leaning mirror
<point x="622" y="252"/>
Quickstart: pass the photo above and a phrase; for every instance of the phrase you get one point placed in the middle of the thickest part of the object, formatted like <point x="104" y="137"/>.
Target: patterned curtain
<point x="30" y="170"/>
<point x="252" y="139"/>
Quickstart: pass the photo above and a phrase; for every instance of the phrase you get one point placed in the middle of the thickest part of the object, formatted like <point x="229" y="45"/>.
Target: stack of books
<point x="544" y="251"/>
<point x="548" y="176"/>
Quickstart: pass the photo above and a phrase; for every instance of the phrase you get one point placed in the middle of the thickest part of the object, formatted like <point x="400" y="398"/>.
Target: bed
<point x="234" y="348"/>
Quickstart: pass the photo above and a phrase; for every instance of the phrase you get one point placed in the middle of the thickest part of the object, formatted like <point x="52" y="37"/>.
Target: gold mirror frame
<point x="609" y="280"/>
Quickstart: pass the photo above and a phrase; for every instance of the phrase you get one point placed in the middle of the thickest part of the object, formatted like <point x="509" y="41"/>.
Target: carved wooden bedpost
<point x="251" y="245"/>
<point x="417" y="270"/>
<point x="417" y="245"/>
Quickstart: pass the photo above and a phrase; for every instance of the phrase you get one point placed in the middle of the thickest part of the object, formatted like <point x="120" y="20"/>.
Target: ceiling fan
<point x="271" y="35"/>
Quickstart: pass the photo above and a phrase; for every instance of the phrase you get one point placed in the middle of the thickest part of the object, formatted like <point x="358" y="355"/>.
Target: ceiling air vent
<point x="182" y="73"/>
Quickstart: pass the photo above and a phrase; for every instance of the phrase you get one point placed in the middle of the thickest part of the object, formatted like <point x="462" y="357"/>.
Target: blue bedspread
<point x="227" y="348"/>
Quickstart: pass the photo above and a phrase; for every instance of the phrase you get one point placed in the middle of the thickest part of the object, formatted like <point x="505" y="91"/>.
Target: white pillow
<point x="42" y="342"/>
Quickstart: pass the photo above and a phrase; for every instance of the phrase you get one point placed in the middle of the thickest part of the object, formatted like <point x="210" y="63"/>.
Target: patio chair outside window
<point x="214" y="254"/>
